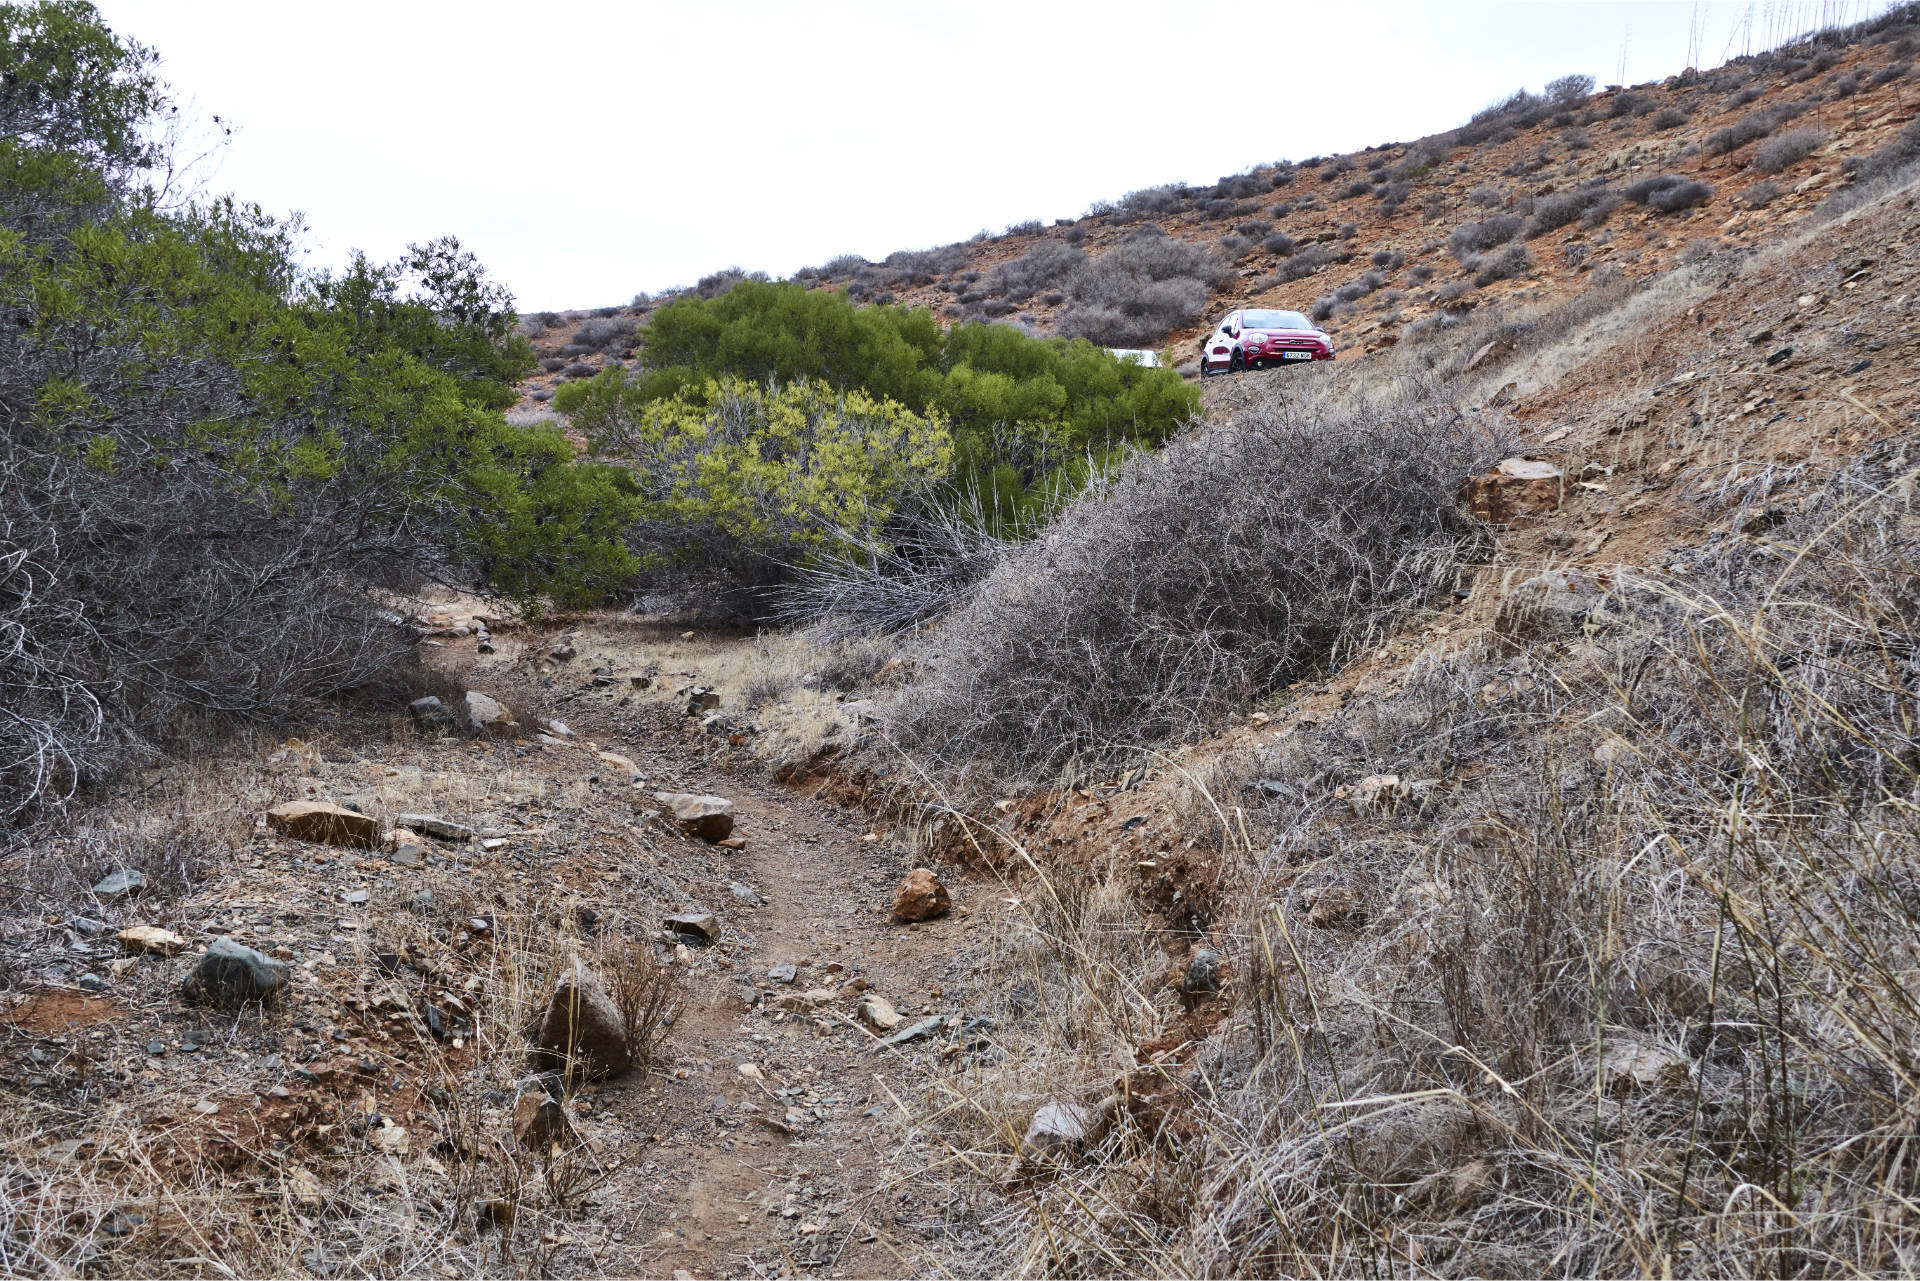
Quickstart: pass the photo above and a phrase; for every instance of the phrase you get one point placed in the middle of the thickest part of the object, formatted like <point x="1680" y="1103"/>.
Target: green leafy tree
<point x="209" y="458"/>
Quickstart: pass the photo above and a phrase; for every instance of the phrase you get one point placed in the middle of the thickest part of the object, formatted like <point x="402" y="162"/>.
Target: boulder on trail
<point x="708" y="817"/>
<point x="877" y="1012"/>
<point x="325" y="823"/>
<point x="482" y="714"/>
<point x="1516" y="489"/>
<point x="920" y="897"/>
<point x="230" y="975"/>
<point x="583" y="1026"/>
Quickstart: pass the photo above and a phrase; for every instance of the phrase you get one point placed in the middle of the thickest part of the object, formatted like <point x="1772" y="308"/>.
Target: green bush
<point x="208" y="456"/>
<point x="741" y="475"/>
<point x="1025" y="413"/>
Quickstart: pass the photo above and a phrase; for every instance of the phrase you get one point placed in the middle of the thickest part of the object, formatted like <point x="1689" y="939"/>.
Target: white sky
<point x="589" y="151"/>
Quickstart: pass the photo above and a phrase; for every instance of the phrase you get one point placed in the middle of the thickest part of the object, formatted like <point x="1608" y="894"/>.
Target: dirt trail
<point x="793" y="1169"/>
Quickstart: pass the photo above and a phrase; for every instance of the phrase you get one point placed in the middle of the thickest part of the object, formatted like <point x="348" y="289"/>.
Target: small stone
<point x="920" y="897"/>
<point x="878" y="1012"/>
<point x="91" y="983"/>
<point x="744" y="892"/>
<point x="353" y="898"/>
<point x="1331" y="905"/>
<point x="1203" y="972"/>
<point x="123" y="967"/>
<point x="583" y="1025"/>
<point x="391" y="1138"/>
<point x="708" y="817"/>
<point x="912" y="1032"/>
<point x="304" y="1188"/>
<point x="625" y="768"/>
<point x="701" y="699"/>
<point x="1760" y="335"/>
<point x="481" y="714"/>
<point x="1558" y="602"/>
<point x="229" y="974"/>
<point x="157" y="1049"/>
<point x="782" y="973"/>
<point x="698" y="926"/>
<point x="445" y="829"/>
<point x="540" y="1121"/>
<point x="1780" y="357"/>
<point x="1627" y="1066"/>
<point x="561" y="653"/>
<point x="87" y="927"/>
<point x="151" y="939"/>
<point x="429" y="709"/>
<point x="1058" y="1129"/>
<point x="409" y="854"/>
<point x="640" y="682"/>
<point x="325" y="823"/>
<point x="421" y="903"/>
<point x="124" y="883"/>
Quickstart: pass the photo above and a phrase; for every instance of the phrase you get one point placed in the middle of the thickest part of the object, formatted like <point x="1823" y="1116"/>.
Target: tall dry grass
<point x="1631" y="989"/>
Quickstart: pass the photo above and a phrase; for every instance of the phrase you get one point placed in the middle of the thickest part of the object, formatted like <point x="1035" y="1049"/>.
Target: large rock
<point x="708" y="817"/>
<point x="324" y="822"/>
<point x="482" y="714"/>
<point x="920" y="897"/>
<point x="1517" y="489"/>
<point x="583" y="1026"/>
<point x="1556" y="603"/>
<point x="231" y="975"/>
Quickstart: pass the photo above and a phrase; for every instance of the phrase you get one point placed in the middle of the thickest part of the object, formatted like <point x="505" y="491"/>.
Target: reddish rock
<point x="1517" y="489"/>
<point x="708" y="817"/>
<point x="920" y="897"/>
<point x="324" y="822"/>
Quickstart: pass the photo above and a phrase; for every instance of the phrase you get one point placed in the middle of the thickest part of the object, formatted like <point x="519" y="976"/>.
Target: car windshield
<point x="1276" y="320"/>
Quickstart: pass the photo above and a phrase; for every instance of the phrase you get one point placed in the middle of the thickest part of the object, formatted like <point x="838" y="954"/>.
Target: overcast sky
<point x="591" y="151"/>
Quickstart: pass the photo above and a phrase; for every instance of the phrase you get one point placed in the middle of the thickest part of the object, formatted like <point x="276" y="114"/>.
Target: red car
<point x="1257" y="339"/>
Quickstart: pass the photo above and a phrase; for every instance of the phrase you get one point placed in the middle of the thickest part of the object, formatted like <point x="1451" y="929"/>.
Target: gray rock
<point x="229" y="974"/>
<point x="87" y="927"/>
<point x="353" y="898"/>
<point x="481" y="714"/>
<point x="124" y="883"/>
<point x="582" y="1025"/>
<point x="1203" y="972"/>
<point x="782" y="973"/>
<point x="91" y="983"/>
<point x="1058" y="1129"/>
<point x="745" y="893"/>
<point x="699" y="927"/>
<point x="445" y="829"/>
<point x="429" y="709"/>
<point x="701" y="699"/>
<point x="912" y="1032"/>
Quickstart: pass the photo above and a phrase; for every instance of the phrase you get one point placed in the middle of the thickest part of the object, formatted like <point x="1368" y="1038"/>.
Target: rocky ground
<point x="774" y="1134"/>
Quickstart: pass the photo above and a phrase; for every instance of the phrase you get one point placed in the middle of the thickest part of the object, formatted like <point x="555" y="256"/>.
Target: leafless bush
<point x="1140" y="289"/>
<point x="1042" y="266"/>
<point x="1889" y="160"/>
<point x="1278" y="243"/>
<point x="924" y="266"/>
<point x="1668" y="193"/>
<point x="610" y="333"/>
<point x="1782" y="150"/>
<point x="920" y="566"/>
<point x="1591" y="201"/>
<point x="1502" y="264"/>
<point x="1478" y="237"/>
<point x="1151" y="202"/>
<point x="646" y="991"/>
<point x="1208" y="573"/>
<point x="1669" y="118"/>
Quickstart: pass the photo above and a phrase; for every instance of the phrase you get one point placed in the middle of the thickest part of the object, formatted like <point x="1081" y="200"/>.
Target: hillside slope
<point x="1377" y="233"/>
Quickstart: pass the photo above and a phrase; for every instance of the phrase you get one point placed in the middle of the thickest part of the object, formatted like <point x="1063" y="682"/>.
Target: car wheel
<point x="1236" y="363"/>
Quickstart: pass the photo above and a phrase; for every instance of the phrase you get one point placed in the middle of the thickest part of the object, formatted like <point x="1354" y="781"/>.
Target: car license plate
<point x="1296" y="355"/>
